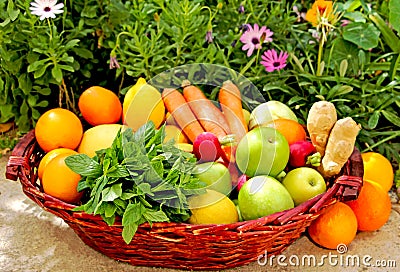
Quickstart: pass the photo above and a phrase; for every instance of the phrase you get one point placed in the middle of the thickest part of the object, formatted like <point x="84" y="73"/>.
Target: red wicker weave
<point x="185" y="246"/>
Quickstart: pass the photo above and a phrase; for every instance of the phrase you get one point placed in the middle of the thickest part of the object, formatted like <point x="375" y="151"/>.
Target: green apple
<point x="262" y="151"/>
<point x="268" y="111"/>
<point x="261" y="196"/>
<point x="215" y="175"/>
<point x="304" y="183"/>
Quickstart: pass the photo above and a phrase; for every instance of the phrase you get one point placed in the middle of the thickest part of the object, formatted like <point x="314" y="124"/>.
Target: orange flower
<point x="320" y="9"/>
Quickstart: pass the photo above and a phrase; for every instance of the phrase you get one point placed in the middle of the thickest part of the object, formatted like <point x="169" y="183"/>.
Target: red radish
<point x="206" y="147"/>
<point x="242" y="179"/>
<point x="300" y="152"/>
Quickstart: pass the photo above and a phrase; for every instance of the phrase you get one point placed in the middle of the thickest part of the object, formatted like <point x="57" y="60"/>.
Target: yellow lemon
<point x="185" y="147"/>
<point x="174" y="132"/>
<point x="212" y="208"/>
<point x="143" y="103"/>
<point x="98" y="137"/>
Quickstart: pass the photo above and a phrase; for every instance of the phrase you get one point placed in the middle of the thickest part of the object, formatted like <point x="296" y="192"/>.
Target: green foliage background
<point x="44" y="64"/>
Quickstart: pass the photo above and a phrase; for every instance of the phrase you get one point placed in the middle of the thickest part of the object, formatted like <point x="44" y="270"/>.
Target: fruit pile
<point x="236" y="165"/>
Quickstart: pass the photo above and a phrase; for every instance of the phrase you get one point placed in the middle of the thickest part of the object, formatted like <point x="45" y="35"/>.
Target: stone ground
<point x="34" y="240"/>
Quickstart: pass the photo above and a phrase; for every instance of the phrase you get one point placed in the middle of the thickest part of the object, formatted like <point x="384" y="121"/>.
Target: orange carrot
<point x="209" y="116"/>
<point x="231" y="103"/>
<point x="183" y="115"/>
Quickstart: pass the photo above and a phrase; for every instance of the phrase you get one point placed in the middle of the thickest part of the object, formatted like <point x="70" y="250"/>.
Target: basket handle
<point x="347" y="186"/>
<point x="19" y="157"/>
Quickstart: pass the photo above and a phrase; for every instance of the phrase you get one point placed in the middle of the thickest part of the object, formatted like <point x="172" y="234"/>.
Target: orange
<point x="58" y="128"/>
<point x="99" y="105"/>
<point x="372" y="207"/>
<point x="51" y="155"/>
<point x="336" y="225"/>
<point x="60" y="181"/>
<point x="292" y="130"/>
<point x="379" y="169"/>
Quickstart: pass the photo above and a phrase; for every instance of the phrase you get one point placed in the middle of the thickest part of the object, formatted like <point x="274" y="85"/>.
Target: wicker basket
<point x="179" y="245"/>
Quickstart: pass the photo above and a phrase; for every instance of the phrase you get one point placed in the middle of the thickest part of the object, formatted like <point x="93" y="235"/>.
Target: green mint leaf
<point x="100" y="208"/>
<point x="133" y="213"/>
<point x="126" y="196"/>
<point x="127" y="136"/>
<point x="106" y="163"/>
<point x="109" y="209"/>
<point x="101" y="182"/>
<point x="120" y="203"/>
<point x="109" y="220"/>
<point x="144" y="133"/>
<point x="112" y="193"/>
<point x="129" y="231"/>
<point x="156" y="139"/>
<point x="118" y="171"/>
<point x="82" y="185"/>
<point x="80" y="208"/>
<point x="155" y="216"/>
<point x="83" y="165"/>
<point x="145" y="189"/>
<point x="131" y="150"/>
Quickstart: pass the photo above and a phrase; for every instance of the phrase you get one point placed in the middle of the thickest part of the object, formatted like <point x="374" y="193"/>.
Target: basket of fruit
<point x="206" y="202"/>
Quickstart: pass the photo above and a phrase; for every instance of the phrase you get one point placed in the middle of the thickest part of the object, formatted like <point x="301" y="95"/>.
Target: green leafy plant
<point x="139" y="179"/>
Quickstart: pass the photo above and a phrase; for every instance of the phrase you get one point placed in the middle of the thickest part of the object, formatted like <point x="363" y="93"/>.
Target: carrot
<point x="231" y="103"/>
<point x="181" y="112"/>
<point x="209" y="116"/>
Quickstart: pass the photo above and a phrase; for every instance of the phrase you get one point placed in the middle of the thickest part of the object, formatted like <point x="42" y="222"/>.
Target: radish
<point x="303" y="153"/>
<point x="242" y="179"/>
<point x="206" y="147"/>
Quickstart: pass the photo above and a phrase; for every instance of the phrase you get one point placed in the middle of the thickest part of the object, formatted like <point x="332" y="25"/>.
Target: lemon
<point x="212" y="207"/>
<point x="143" y="103"/>
<point x="185" y="147"/>
<point x="98" y="137"/>
<point x="173" y="132"/>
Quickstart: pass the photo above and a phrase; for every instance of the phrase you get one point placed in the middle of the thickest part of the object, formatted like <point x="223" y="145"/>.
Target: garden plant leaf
<point x="394" y="14"/>
<point x="364" y="35"/>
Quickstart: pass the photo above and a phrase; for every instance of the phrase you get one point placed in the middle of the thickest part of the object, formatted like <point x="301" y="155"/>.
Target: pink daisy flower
<point x="272" y="61"/>
<point x="254" y="37"/>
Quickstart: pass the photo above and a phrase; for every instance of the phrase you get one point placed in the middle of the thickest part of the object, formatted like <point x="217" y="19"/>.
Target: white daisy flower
<point x="46" y="8"/>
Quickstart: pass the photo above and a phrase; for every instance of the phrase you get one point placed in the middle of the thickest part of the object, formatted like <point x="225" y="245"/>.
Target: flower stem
<point x="50" y="29"/>
<point x="320" y="53"/>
